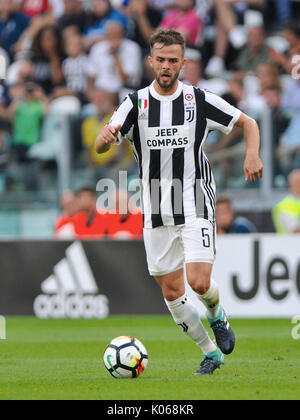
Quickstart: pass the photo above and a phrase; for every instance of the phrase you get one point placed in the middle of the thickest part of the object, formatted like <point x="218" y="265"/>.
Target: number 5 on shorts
<point x="206" y="238"/>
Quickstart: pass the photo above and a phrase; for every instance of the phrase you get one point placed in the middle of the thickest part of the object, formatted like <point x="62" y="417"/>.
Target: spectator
<point x="292" y="34"/>
<point x="227" y="151"/>
<point x="202" y="6"/>
<point x="74" y="17"/>
<point x="235" y="93"/>
<point x="144" y="20"/>
<point x="27" y="115"/>
<point x="74" y="69"/>
<point x="280" y="122"/>
<point x="70" y="207"/>
<point x="88" y="224"/>
<point x="24" y="74"/>
<point x="288" y="152"/>
<point x="184" y="18"/>
<point x="105" y="165"/>
<point x="115" y="63"/>
<point x="227" y="222"/>
<point x="47" y="57"/>
<point x="123" y="223"/>
<point x="255" y="52"/>
<point x="230" y="15"/>
<point x="12" y="26"/>
<point x="5" y="128"/>
<point x="286" y="215"/>
<point x="267" y="78"/>
<point x="291" y="96"/>
<point x="193" y="75"/>
<point x="101" y="14"/>
<point x="272" y="96"/>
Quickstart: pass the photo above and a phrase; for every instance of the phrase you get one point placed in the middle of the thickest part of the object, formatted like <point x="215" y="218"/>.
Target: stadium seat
<point x="13" y="72"/>
<point x="278" y="43"/>
<point x="66" y="105"/>
<point x="53" y="130"/>
<point x="52" y="133"/>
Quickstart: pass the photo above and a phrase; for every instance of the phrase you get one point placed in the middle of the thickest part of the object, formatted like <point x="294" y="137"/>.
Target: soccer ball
<point x="125" y="357"/>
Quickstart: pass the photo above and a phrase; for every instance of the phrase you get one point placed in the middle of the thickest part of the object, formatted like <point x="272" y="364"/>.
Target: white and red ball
<point x="125" y="357"/>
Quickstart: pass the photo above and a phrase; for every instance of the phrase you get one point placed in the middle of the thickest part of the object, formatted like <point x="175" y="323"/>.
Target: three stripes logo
<point x="71" y="292"/>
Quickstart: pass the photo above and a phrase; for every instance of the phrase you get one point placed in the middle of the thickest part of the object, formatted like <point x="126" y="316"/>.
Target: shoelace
<point x="218" y="325"/>
<point x="206" y="362"/>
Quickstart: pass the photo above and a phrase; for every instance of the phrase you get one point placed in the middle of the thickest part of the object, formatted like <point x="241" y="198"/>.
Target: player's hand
<point x="253" y="168"/>
<point x="109" y="134"/>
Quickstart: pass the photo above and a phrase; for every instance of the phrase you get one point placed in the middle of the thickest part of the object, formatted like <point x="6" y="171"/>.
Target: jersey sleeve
<point x="220" y="115"/>
<point x="125" y="116"/>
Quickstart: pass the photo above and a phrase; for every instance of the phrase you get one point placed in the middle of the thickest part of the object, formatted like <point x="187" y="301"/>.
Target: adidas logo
<point x="71" y="292"/>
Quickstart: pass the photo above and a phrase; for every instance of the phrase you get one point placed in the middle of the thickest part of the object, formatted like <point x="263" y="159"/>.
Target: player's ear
<point x="150" y="61"/>
<point x="183" y="63"/>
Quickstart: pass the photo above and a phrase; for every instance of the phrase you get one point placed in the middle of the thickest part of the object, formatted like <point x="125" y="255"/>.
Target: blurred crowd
<point x="81" y="57"/>
<point x="83" y="219"/>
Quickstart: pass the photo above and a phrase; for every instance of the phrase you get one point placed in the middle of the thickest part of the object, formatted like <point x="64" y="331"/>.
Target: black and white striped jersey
<point x="167" y="135"/>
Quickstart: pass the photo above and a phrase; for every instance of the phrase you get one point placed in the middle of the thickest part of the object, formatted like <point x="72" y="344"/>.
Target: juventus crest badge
<point x="190" y="114"/>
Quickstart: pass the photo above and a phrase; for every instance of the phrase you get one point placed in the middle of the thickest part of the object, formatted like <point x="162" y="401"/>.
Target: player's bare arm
<point x="107" y="137"/>
<point x="253" y="166"/>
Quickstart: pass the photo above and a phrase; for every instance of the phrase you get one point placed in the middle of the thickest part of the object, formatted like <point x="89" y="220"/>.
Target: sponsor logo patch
<point x="176" y="137"/>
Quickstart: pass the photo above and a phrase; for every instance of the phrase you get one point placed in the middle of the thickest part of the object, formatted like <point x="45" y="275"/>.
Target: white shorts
<point x="169" y="248"/>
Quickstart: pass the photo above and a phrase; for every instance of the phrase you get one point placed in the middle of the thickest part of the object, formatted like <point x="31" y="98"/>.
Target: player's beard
<point x="167" y="85"/>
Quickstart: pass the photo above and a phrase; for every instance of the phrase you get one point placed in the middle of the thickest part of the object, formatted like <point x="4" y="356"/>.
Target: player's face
<point x="167" y="62"/>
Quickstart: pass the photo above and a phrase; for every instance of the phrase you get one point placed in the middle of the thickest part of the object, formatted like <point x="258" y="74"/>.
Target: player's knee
<point x="200" y="283"/>
<point x="171" y="293"/>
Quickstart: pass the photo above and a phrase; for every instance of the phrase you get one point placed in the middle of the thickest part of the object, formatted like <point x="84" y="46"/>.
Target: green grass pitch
<point x="56" y="359"/>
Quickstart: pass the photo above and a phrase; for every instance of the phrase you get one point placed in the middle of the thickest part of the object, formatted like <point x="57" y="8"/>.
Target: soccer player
<point x="167" y="124"/>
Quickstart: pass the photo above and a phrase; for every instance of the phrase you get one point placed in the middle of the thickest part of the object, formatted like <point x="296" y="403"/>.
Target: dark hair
<point x="92" y="19"/>
<point x="89" y="190"/>
<point x="37" y="49"/>
<point x="167" y="38"/>
<point x="293" y="26"/>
